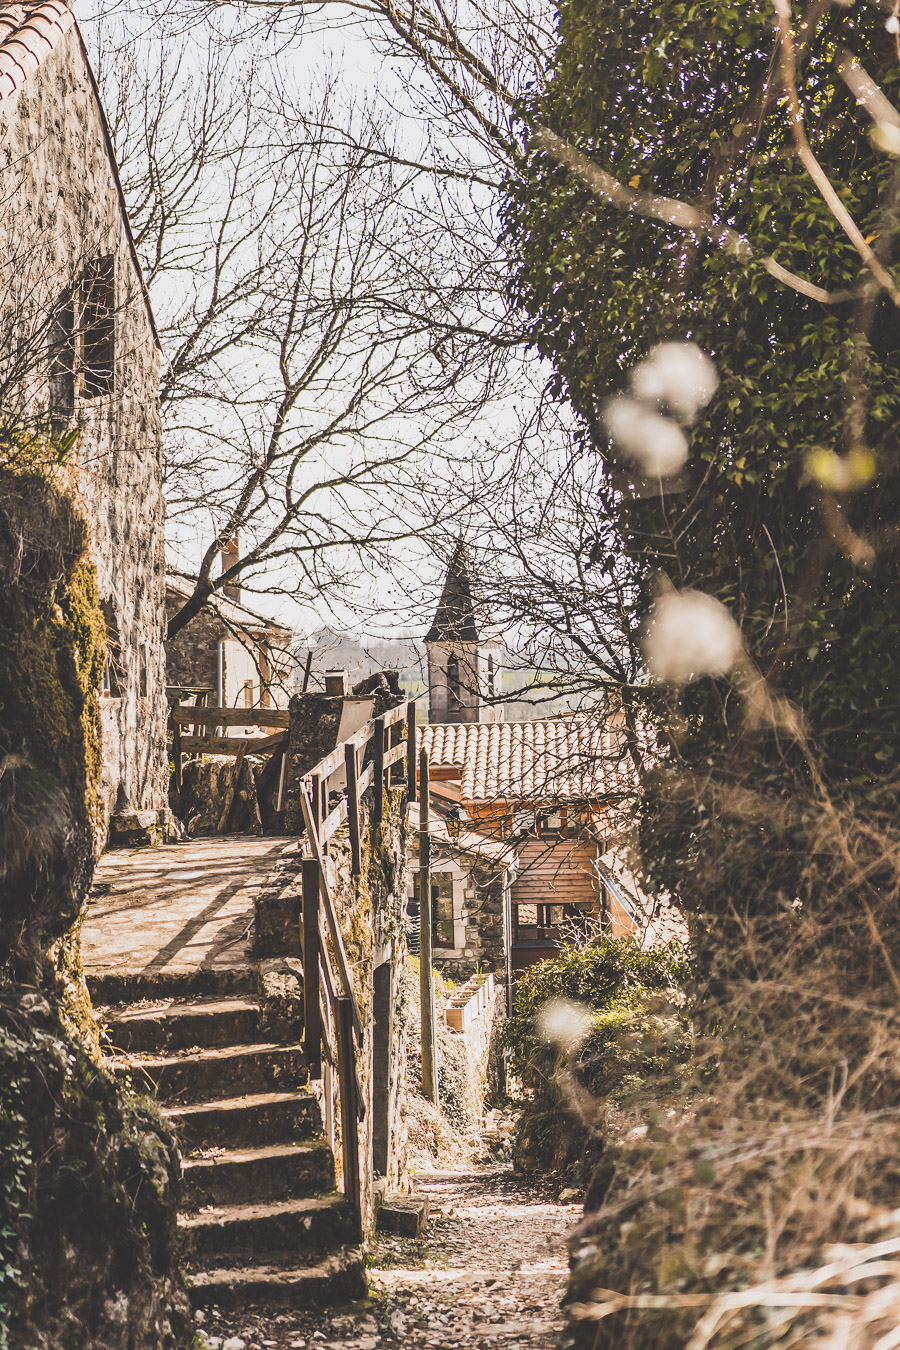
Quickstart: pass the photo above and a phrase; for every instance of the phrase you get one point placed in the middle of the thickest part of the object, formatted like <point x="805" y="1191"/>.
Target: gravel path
<point x="489" y="1272"/>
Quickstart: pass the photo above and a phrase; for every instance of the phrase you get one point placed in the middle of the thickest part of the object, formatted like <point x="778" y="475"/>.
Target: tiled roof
<point x="557" y="759"/>
<point x="231" y="611"/>
<point x="28" y="33"/>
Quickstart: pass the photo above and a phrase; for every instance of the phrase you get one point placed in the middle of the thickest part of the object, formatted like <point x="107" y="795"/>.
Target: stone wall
<point x="480" y="912"/>
<point x="62" y="211"/>
<point x="192" y="656"/>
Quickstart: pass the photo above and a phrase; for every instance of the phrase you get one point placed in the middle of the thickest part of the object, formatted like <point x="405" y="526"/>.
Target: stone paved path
<point x="180" y="907"/>
<point x="489" y="1273"/>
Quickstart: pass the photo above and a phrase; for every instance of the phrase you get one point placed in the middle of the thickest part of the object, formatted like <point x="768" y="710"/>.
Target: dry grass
<point x="764" y="1210"/>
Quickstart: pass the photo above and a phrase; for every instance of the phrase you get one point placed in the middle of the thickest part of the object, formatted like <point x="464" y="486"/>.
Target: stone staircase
<point x="262" y="1221"/>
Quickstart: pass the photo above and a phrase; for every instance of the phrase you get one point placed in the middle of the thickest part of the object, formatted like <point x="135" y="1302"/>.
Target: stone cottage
<point x="79" y="353"/>
<point x="228" y="655"/>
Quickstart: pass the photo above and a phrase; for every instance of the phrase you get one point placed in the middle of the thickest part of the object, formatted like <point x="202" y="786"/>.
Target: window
<point x="112" y="683"/>
<point x="491" y="677"/>
<point x="98" y="328"/>
<point x="454" y="701"/>
<point x="541" y="923"/>
<point x="62" y="354"/>
<point x="442" y="934"/>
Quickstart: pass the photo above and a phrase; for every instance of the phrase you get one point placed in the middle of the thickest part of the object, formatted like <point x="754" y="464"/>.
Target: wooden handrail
<point x="180" y="715"/>
<point x="333" y="1018"/>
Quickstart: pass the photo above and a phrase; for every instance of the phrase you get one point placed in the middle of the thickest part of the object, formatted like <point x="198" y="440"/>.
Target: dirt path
<point x="489" y="1272"/>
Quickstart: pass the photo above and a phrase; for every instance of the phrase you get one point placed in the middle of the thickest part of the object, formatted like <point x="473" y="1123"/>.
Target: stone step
<point x="338" y="1279"/>
<point x="294" y="1227"/>
<point x="260" y="1118"/>
<point x="260" y="1175"/>
<point x="214" y="1075"/>
<point x="178" y="1026"/>
<point x="131" y="986"/>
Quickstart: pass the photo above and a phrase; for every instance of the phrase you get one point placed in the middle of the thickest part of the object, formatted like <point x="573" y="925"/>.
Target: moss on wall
<point x="51" y="662"/>
<point x="88" y="1174"/>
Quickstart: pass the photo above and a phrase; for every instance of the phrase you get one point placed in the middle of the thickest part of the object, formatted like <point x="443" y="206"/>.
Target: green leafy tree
<point x="707" y="173"/>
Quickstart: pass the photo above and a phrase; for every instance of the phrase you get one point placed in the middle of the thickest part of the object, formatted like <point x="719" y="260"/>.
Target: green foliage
<point x="676" y="99"/>
<point x="51" y="662"/>
<point x="88" y="1191"/>
<point x="635" y="1042"/>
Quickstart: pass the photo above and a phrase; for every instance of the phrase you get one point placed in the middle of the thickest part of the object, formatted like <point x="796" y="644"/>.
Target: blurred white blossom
<point x="689" y="635"/>
<point x="564" y="1023"/>
<point x="677" y="374"/>
<point x="656" y="444"/>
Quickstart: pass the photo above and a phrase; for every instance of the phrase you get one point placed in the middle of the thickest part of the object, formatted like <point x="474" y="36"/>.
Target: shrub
<point x="622" y="1037"/>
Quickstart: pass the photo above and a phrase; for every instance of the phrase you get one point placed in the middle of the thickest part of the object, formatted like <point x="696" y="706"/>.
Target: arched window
<point x="454" y="701"/>
<point x="491" y="678"/>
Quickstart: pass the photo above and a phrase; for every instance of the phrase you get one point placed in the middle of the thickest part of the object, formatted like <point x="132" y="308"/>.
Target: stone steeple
<point x="463" y="663"/>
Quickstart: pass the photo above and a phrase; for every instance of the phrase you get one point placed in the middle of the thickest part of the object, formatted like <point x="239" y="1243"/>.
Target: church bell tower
<point x="464" y="675"/>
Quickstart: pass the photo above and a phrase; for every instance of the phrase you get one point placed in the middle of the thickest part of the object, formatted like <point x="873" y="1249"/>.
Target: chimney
<point x="337" y="683"/>
<point x="230" y="554"/>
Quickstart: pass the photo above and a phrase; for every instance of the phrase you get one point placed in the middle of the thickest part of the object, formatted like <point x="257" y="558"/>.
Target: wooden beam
<point x="378" y="772"/>
<point x="411" y="750"/>
<point x="395" y="755"/>
<point x="254" y="799"/>
<point x="395" y="714"/>
<point x="334" y="931"/>
<point x="231" y="717"/>
<point x="349" y="1121"/>
<point x="312" y="1016"/>
<point x="232" y="789"/>
<point x="353" y="809"/>
<point x="176" y="759"/>
<point x="232" y="745"/>
<point x="426" y="974"/>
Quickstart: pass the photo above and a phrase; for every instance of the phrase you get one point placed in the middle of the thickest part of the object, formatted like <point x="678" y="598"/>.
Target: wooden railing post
<point x="353" y="808"/>
<point x="176" y="758"/>
<point x="426" y="976"/>
<point x="349" y="1122"/>
<point x="378" y="812"/>
<point x="312" y="1015"/>
<point x="411" y="750"/>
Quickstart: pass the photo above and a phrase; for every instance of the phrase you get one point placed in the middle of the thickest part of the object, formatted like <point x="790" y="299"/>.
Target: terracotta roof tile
<point x="28" y="33"/>
<point x="558" y="759"/>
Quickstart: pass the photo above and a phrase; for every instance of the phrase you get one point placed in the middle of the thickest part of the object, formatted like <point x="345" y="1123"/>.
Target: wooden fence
<point x="333" y="1023"/>
<point x="206" y="727"/>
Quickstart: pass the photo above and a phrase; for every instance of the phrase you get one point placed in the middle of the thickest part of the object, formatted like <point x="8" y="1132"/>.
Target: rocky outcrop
<point x="88" y="1173"/>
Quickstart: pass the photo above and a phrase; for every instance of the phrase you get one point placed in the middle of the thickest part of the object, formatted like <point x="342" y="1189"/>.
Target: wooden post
<point x="233" y="786"/>
<point x="176" y="758"/>
<point x="328" y="1089"/>
<point x="317" y="804"/>
<point x="349" y="1123"/>
<point x="312" y="1015"/>
<point x="306" y="671"/>
<point x="254" y="801"/>
<point x="353" y="809"/>
<point x="411" y="750"/>
<point x="378" y="812"/>
<point x="426" y="976"/>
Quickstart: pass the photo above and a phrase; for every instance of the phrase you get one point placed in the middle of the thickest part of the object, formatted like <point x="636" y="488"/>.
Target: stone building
<point x="228" y="652"/>
<point x="79" y="354"/>
<point x="521" y="812"/>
